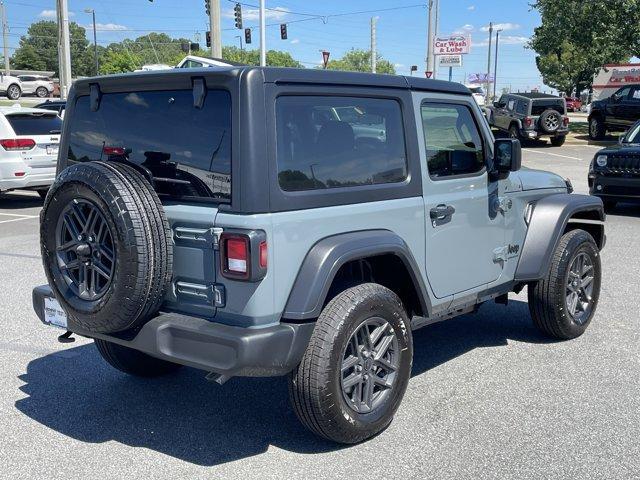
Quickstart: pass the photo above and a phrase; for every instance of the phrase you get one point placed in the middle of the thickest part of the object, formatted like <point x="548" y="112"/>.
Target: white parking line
<point x="544" y="152"/>
<point x="18" y="215"/>
<point x="17" y="219"/>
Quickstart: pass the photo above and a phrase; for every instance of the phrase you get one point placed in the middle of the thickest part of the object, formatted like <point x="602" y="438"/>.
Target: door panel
<point x="464" y="229"/>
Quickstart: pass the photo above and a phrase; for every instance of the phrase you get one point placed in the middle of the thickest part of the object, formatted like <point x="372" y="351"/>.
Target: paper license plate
<point x="53" y="313"/>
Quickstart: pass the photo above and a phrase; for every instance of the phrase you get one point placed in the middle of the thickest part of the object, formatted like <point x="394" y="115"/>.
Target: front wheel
<point x="356" y="368"/>
<point x="13" y="92"/>
<point x="563" y="303"/>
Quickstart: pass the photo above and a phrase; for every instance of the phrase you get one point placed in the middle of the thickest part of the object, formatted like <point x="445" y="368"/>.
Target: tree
<point x="38" y="49"/>
<point x="360" y="61"/>
<point x="275" y="58"/>
<point x="577" y="37"/>
<point x="114" y="61"/>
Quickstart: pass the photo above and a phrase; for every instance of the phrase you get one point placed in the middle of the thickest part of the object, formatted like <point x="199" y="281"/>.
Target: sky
<point x="331" y="25"/>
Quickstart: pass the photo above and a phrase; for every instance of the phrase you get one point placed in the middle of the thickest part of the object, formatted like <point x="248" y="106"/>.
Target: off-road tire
<point x="315" y="388"/>
<point x="143" y="263"/>
<point x="547" y="297"/>
<point x="42" y="92"/>
<point x="514" y="132"/>
<point x="13" y="92"/>
<point x="597" y="128"/>
<point x="549" y="121"/>
<point x="133" y="362"/>
<point x="558" y="141"/>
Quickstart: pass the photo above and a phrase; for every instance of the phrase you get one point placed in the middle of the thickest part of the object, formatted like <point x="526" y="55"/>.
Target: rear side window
<point x="330" y="142"/>
<point x="521" y="107"/>
<point x="540" y="106"/>
<point x="35" y="124"/>
<point x="186" y="149"/>
<point x="452" y="141"/>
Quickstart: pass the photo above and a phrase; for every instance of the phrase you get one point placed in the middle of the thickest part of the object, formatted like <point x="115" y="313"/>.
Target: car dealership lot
<point x="489" y="397"/>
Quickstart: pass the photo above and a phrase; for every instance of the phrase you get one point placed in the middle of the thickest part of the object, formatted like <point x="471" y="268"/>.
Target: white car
<point x="478" y="94"/>
<point x="193" y="61"/>
<point x="36" y="85"/>
<point x="29" y="141"/>
<point x="10" y="86"/>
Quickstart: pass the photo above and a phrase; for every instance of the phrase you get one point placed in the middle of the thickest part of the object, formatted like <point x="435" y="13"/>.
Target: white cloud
<point x="51" y="14"/>
<point x="505" y="40"/>
<point x="110" y="27"/>
<point x="253" y="14"/>
<point x="295" y="40"/>
<point x="399" y="65"/>
<point x="501" y="26"/>
<point x="471" y="8"/>
<point x="466" y="28"/>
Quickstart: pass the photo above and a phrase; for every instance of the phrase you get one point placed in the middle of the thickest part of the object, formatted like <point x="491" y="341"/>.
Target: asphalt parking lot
<point x="489" y="397"/>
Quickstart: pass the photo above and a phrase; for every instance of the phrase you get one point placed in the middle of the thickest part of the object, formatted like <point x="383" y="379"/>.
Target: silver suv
<point x="260" y="221"/>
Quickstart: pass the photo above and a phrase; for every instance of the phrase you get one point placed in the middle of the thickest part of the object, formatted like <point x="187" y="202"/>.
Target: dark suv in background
<point x="616" y="113"/>
<point x="530" y="115"/>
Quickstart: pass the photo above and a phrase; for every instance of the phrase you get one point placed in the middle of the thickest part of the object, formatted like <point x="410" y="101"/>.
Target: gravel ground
<point x="489" y="397"/>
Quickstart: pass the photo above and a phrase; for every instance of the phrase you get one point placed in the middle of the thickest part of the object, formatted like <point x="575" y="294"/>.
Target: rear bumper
<point x="614" y="187"/>
<point x="32" y="178"/>
<point x="222" y="349"/>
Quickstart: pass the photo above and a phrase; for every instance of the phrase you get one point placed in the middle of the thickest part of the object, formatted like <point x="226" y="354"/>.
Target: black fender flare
<point x="325" y="258"/>
<point x="548" y="222"/>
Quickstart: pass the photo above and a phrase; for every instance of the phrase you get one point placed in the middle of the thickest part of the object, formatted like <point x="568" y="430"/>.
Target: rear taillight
<point x="17" y="143"/>
<point x="113" y="150"/>
<point x="243" y="256"/>
<point x="528" y="121"/>
<point x="565" y="121"/>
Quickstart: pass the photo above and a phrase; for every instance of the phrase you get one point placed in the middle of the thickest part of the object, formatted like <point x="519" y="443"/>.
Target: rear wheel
<point x="563" y="303"/>
<point x="132" y="361"/>
<point x="356" y="368"/>
<point x="42" y="92"/>
<point x="609" y="205"/>
<point x="558" y="141"/>
<point x="514" y="131"/>
<point x="597" y="129"/>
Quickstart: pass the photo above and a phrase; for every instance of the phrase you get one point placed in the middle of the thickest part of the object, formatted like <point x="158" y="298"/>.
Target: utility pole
<point x="5" y="42"/>
<point x="489" y="63"/>
<point x="436" y="27"/>
<point x="64" y="50"/>
<point x="495" y="64"/>
<point x="95" y="41"/>
<point x="374" y="51"/>
<point x="430" y="36"/>
<point x="263" y="36"/>
<point x="214" y="28"/>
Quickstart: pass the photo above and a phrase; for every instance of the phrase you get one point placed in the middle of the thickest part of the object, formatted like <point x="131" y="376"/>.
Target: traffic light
<point x="247" y="35"/>
<point x="237" y="13"/>
<point x="207" y="7"/>
<point x="208" y="37"/>
<point x="283" y="31"/>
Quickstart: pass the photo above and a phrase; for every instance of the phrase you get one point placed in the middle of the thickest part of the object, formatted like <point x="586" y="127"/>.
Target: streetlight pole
<point x="495" y="64"/>
<point x="263" y="35"/>
<point x="489" y="63"/>
<point x="95" y="38"/>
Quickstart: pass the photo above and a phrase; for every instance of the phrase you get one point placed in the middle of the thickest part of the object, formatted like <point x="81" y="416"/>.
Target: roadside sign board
<point x="428" y="74"/>
<point x="325" y="58"/>
<point x="449" y="60"/>
<point x="452" y="45"/>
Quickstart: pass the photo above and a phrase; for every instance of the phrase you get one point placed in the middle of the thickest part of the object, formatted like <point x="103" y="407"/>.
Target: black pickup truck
<point x="616" y="113"/>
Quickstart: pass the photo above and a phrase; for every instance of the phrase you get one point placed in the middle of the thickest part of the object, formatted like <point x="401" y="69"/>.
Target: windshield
<point x="186" y="149"/>
<point x="35" y="123"/>
<point x="633" y="136"/>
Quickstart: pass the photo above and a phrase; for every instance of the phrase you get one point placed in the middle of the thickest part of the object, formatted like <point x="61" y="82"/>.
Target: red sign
<point x="325" y="58"/>
<point x="428" y="74"/>
<point x="452" y="45"/>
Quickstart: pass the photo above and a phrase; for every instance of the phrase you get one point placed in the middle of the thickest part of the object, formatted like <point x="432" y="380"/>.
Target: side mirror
<point x="507" y="157"/>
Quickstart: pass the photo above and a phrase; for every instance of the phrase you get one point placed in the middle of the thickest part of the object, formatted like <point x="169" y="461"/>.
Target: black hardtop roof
<point x="535" y="95"/>
<point x="279" y="75"/>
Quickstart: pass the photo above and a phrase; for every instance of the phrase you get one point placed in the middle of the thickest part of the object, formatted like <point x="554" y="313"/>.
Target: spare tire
<point x="550" y="121"/>
<point x="106" y="246"/>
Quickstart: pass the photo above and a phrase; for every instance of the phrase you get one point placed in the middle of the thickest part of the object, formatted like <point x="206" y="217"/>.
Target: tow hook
<point x="217" y="377"/>
<point x="66" y="337"/>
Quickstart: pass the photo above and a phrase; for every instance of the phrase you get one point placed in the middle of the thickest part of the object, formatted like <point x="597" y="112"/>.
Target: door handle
<point x="441" y="212"/>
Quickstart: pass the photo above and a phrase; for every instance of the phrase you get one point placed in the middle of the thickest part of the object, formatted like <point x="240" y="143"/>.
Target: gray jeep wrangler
<point x="257" y="222"/>
<point x="530" y="116"/>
